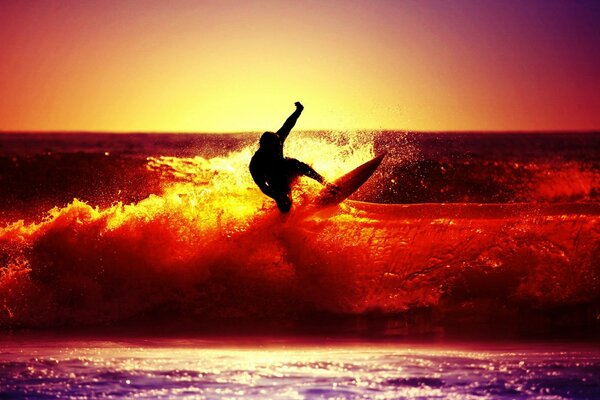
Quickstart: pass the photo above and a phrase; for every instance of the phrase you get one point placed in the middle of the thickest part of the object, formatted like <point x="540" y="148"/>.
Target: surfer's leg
<point x="284" y="203"/>
<point x="297" y="168"/>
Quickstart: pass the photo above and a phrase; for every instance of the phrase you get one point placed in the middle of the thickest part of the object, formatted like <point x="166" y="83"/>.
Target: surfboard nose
<point x="348" y="183"/>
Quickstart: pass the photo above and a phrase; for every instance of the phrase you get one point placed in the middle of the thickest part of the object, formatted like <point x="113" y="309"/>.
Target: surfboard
<point x="348" y="183"/>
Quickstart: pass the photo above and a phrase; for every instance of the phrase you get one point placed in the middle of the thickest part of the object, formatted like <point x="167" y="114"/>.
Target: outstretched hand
<point x="299" y="105"/>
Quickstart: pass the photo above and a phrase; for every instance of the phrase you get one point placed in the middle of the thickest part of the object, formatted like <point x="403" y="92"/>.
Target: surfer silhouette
<point x="273" y="173"/>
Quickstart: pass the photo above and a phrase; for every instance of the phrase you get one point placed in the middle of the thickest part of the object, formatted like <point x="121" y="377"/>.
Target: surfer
<point x="273" y="173"/>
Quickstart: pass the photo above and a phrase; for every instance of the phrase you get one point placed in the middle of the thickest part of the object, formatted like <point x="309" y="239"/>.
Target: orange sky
<point x="228" y="66"/>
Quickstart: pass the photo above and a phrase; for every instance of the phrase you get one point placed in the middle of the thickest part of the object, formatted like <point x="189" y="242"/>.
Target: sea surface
<point x="468" y="266"/>
<point x="268" y="368"/>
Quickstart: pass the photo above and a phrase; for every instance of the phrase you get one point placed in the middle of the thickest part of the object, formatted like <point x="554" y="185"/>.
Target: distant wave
<point x="486" y="181"/>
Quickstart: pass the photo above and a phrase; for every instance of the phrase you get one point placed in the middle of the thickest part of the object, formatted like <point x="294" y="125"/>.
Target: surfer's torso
<point x="272" y="169"/>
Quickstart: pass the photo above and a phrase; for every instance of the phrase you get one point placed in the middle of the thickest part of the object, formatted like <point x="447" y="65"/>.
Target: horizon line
<point x="469" y="131"/>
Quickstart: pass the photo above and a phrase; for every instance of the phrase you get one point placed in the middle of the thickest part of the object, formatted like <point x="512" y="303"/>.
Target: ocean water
<point x="455" y="239"/>
<point x="295" y="369"/>
<point x="100" y="228"/>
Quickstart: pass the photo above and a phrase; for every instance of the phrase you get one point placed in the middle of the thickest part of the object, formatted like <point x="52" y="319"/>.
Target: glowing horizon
<point x="238" y="66"/>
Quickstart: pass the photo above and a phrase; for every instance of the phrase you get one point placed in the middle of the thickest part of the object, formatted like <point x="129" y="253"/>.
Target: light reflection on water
<point x="294" y="369"/>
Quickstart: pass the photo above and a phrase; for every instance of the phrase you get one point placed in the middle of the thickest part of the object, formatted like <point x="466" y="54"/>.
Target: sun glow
<point x="239" y="66"/>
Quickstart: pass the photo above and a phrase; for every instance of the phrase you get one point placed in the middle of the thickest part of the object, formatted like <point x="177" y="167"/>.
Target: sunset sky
<point x="234" y="66"/>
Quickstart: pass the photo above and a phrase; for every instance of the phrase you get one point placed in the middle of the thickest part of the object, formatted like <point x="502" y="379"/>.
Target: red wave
<point x="84" y="265"/>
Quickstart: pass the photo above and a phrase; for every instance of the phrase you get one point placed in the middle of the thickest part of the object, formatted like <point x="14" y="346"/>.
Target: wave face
<point x="158" y="234"/>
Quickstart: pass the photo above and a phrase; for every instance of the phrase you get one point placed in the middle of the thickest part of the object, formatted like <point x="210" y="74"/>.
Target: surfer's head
<point x="270" y="140"/>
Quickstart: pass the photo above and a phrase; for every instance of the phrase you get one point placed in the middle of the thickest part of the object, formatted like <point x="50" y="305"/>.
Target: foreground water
<point x="295" y="369"/>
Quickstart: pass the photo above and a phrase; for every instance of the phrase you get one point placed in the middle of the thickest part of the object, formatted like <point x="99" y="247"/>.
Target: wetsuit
<point x="274" y="173"/>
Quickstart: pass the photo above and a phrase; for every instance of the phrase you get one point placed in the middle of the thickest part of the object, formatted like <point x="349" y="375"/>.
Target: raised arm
<point x="289" y="123"/>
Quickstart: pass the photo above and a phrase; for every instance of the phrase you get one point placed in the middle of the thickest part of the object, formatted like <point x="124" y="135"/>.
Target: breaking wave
<point x="205" y="244"/>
